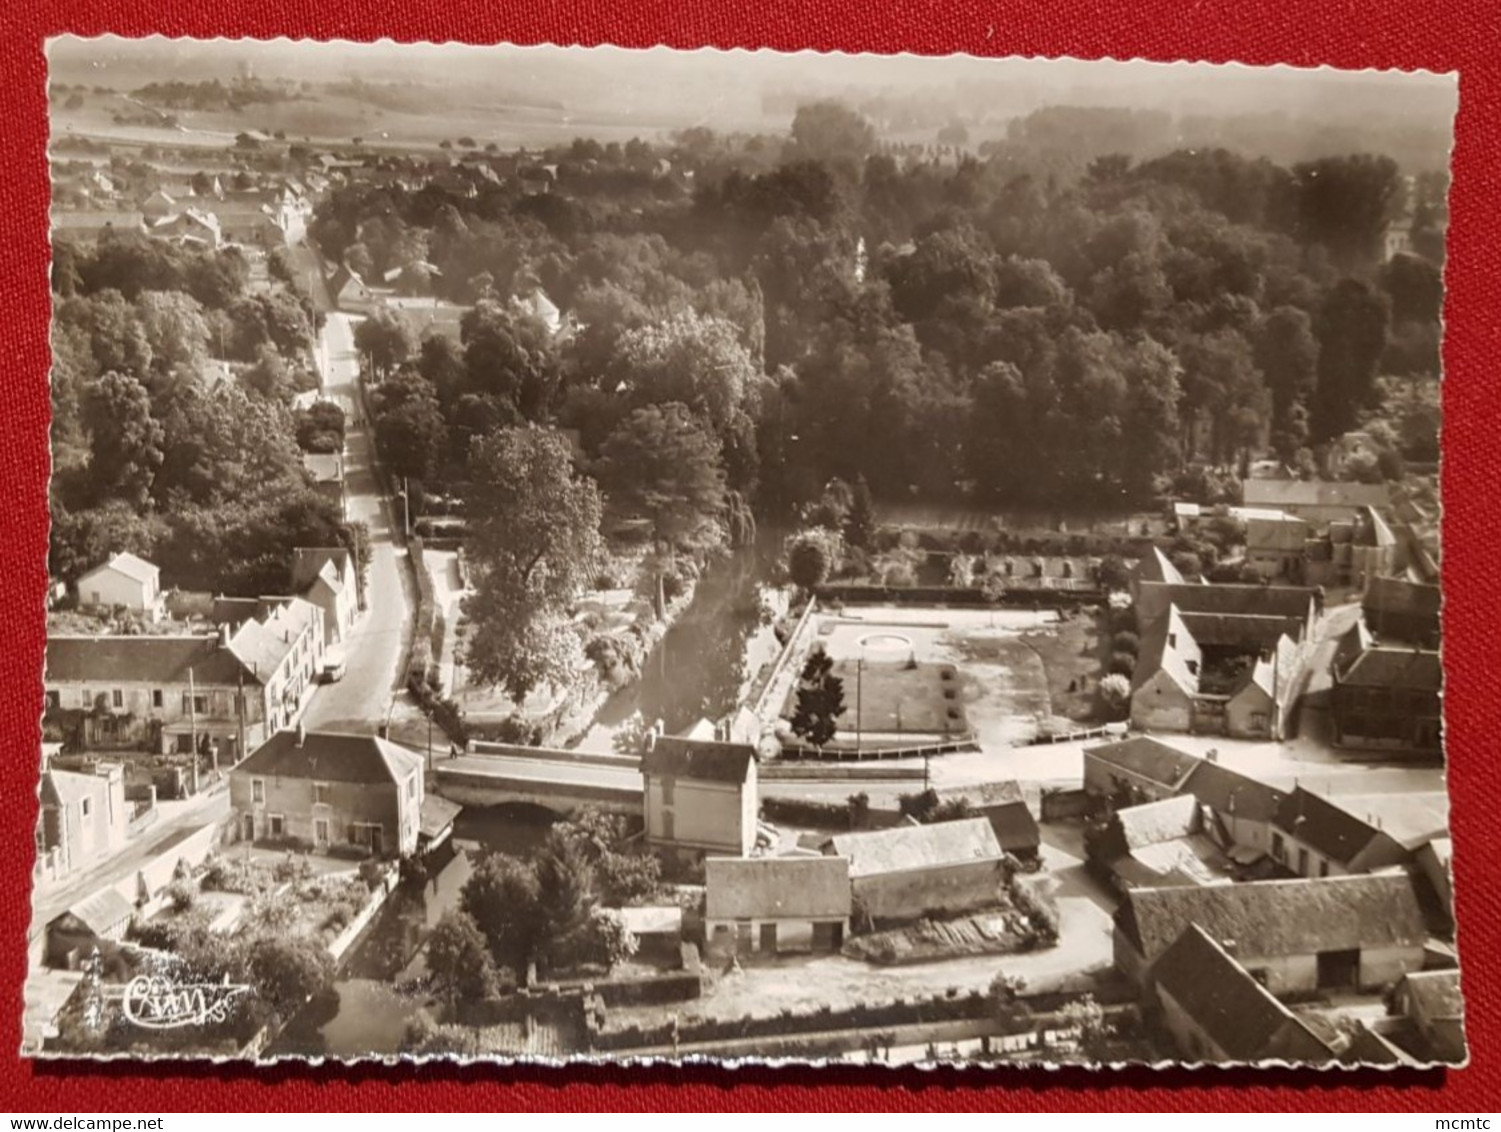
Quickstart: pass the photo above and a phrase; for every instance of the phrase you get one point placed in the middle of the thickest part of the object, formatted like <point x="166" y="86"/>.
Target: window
<point x="117" y="698"/>
<point x="278" y="825"/>
<point x="1323" y="868"/>
<point x="412" y="787"/>
<point x="157" y="699"/>
<point x="88" y="805"/>
<point x="1279" y="848"/>
<point x="1303" y="862"/>
<point x="200" y="704"/>
<point x="320" y="794"/>
<point x="667" y="787"/>
<point x="258" y="791"/>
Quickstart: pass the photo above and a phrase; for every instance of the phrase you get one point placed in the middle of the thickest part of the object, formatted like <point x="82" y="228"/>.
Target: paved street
<point x="177" y="820"/>
<point x="360" y="701"/>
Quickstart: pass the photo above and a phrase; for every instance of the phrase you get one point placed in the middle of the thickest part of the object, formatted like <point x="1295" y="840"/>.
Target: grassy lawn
<point x="1072" y="655"/>
<point x="927" y="699"/>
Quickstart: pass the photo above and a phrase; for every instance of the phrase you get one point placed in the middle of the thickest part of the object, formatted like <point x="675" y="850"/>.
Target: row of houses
<point x="224" y="691"/>
<point x="1178" y="819"/>
<point x="267" y="217"/>
<point x="1239" y="897"/>
<point x="1216" y="965"/>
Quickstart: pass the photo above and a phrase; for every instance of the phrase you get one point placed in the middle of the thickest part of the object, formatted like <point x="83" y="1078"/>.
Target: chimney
<point x="224" y="635"/>
<point x="1212" y="755"/>
<point x="301" y="736"/>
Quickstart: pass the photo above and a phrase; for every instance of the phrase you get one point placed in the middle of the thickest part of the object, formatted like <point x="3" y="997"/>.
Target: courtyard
<point x="930" y="674"/>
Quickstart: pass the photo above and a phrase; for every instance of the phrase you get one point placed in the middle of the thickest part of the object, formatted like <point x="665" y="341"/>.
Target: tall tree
<point x="503" y="899"/>
<point x="125" y="448"/>
<point x="1287" y="354"/>
<point x="820" y="701"/>
<point x="533" y="543"/>
<point x="1351" y="329"/>
<point x="385" y="342"/>
<point x="664" y="463"/>
<point x="1345" y="203"/>
<point x="459" y="960"/>
<point x="830" y="131"/>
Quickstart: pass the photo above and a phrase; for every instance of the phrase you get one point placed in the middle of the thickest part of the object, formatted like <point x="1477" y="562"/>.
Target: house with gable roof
<point x="1156" y="844"/>
<point x="771" y="905"/>
<point x="1003" y="805"/>
<point x="1321" y="502"/>
<point x="125" y="580"/>
<point x="1219" y="659"/>
<point x="1386" y="697"/>
<point x="1217" y="1012"/>
<point x="328" y="790"/>
<point x="1237" y="810"/>
<point x="327" y="577"/>
<point x="113" y="692"/>
<point x="349" y="292"/>
<point x="81" y="818"/>
<point x="1315" y="836"/>
<point x="1290" y="935"/>
<point x="700" y="794"/>
<point x="1136" y="770"/>
<point x="1434" y="1007"/>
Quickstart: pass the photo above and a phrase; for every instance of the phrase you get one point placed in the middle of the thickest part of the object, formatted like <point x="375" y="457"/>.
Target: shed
<point x="104" y="916"/>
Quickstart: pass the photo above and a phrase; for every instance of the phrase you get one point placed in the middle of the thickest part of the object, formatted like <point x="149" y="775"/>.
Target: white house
<point x="124" y="580"/>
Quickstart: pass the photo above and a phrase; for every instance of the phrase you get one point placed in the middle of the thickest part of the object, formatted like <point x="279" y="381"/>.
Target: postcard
<point x="573" y="554"/>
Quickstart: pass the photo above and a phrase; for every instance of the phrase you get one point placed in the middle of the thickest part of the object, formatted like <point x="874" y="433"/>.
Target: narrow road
<point x="374" y="650"/>
<point x="50" y="901"/>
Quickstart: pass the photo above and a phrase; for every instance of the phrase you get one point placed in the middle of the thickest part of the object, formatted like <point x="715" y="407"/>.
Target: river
<point x="700" y="669"/>
<point x="705" y="662"/>
<point x="363" y="1014"/>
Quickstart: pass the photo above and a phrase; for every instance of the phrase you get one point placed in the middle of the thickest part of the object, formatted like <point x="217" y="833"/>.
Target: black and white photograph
<point x="582" y="554"/>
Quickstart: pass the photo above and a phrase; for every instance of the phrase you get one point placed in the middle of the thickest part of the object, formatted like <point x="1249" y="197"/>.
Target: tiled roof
<point x="1399" y="595"/>
<point x="1236" y="1012"/>
<point x="1323" y="825"/>
<point x="308" y="563"/>
<point x="917" y="846"/>
<point x="144" y="660"/>
<point x="1268" y="919"/>
<point x="102" y="911"/>
<point x="1156" y="822"/>
<point x="1380" y="667"/>
<point x="1286" y="602"/>
<point x="1147" y="758"/>
<point x="1160" y="651"/>
<point x="326" y="756"/>
<point x="674" y="757"/>
<point x="1436" y="994"/>
<point x="1313" y="493"/>
<point x="1229" y="792"/>
<point x="1155" y="566"/>
<point x="1003" y="805"/>
<point x="137" y="569"/>
<point x="436" y="815"/>
<point x="751" y="888"/>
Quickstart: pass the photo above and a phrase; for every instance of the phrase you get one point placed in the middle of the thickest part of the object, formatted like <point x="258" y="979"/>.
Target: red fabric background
<point x="1462" y="35"/>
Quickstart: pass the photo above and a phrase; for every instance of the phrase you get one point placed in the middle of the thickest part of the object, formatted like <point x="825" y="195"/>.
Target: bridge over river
<point x="491" y="774"/>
